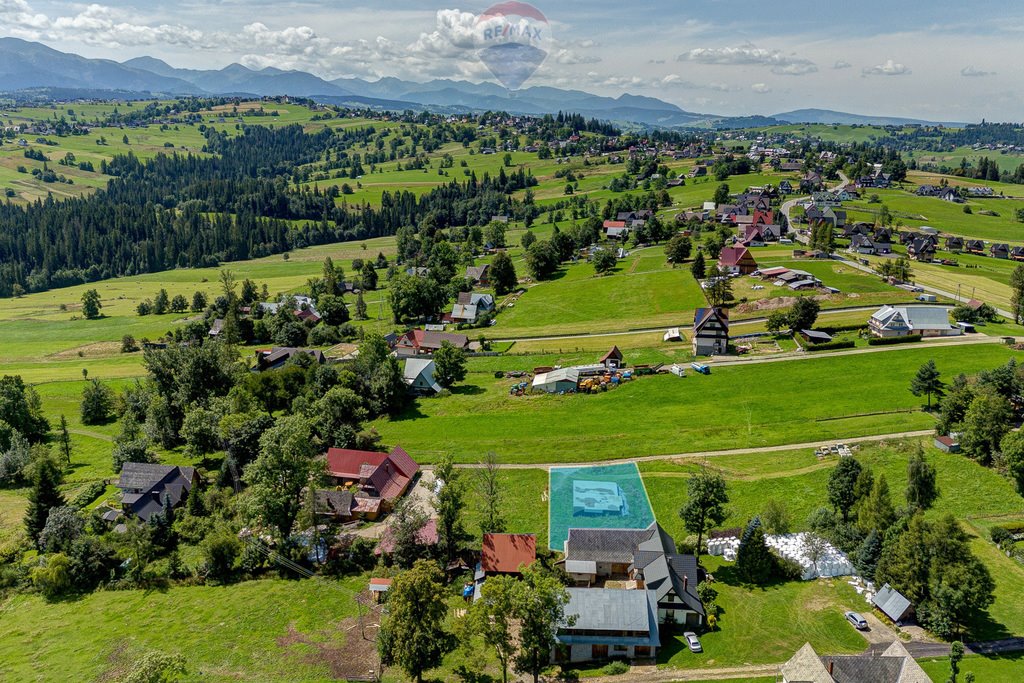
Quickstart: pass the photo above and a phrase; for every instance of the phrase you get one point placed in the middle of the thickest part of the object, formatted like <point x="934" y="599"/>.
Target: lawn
<point x="225" y="633"/>
<point x="988" y="669"/>
<point x="767" y="625"/>
<point x="577" y="301"/>
<point x="798" y="481"/>
<point x="755" y="405"/>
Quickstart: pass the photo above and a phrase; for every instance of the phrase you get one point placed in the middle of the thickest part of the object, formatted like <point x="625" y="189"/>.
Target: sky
<point x="942" y="60"/>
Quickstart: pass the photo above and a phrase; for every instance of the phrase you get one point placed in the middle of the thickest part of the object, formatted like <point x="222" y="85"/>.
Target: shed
<point x="893" y="604"/>
<point x="673" y="335"/>
<point x="506" y="553"/>
<point x="582" y="572"/>
<point x="947" y="444"/>
<point x="816" y="336"/>
<point x="557" y="381"/>
<point x="612" y="359"/>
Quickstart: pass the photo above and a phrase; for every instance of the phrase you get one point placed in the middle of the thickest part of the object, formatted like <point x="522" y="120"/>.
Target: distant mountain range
<point x="829" y="117"/>
<point x="28" y="65"/>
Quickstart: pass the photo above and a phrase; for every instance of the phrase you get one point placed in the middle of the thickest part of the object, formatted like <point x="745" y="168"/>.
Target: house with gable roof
<point x="379" y="475"/>
<point x="710" y="331"/>
<point x="147" y="487"/>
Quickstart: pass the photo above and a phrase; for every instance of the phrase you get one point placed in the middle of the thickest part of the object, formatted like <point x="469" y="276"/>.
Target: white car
<point x="859" y="622"/>
<point x="693" y="642"/>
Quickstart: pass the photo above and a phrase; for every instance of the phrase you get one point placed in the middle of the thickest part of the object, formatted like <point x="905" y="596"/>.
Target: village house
<point x="647" y="557"/>
<point x="737" y="260"/>
<point x="608" y="622"/>
<point x="902" y="321"/>
<point x="417" y="342"/>
<point x="975" y="247"/>
<point x="893" y="604"/>
<point x="147" y="487"/>
<point x="276" y="357"/>
<point x="1000" y="251"/>
<point x="479" y="275"/>
<point x="710" y="331"/>
<point x="469" y="306"/>
<point x="616" y="230"/>
<point x="921" y="249"/>
<point x="954" y="244"/>
<point x="378" y="475"/>
<point x="894" y="665"/>
<point x="418" y="374"/>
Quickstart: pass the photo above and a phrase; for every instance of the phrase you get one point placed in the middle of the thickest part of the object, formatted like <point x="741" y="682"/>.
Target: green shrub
<point x="831" y="346"/>
<point x="616" y="668"/>
<point x="87" y="495"/>
<point x="882" y="341"/>
<point x="1000" y="534"/>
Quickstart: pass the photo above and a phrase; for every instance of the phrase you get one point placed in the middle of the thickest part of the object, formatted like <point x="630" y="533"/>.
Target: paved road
<point x="920" y="650"/>
<point x="710" y="454"/>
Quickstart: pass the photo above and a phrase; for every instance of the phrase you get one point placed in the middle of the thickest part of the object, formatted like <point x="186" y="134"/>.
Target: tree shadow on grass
<point x="984" y="627"/>
<point x="731" y="577"/>
<point x="467" y="390"/>
<point x="413" y="412"/>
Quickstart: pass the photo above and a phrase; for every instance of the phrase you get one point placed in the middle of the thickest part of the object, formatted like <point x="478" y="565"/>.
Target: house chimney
<point x="686" y="581"/>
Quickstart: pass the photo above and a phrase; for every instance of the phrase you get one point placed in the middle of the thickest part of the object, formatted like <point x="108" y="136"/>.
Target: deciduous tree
<point x="413" y="633"/>
<point x="503" y="273"/>
<point x="276" y="478"/>
<point x="449" y="364"/>
<point x="705" y="508"/>
<point x="540" y="602"/>
<point x="927" y="382"/>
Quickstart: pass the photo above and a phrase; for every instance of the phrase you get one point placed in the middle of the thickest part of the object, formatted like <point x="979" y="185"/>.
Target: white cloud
<point x="761" y="88"/>
<point x="566" y="56"/>
<point x="780" y="63"/>
<point x="971" y="72"/>
<point x="841" y="64"/>
<point x="890" y="68"/>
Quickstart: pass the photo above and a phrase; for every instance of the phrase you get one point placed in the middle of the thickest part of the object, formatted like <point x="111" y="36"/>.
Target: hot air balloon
<point x="513" y="37"/>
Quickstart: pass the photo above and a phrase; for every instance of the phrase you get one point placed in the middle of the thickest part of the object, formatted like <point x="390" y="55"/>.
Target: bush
<point x="883" y="341"/>
<point x="616" y="668"/>
<point x="1000" y="535"/>
<point x="831" y="346"/>
<point x="835" y="329"/>
<point x="87" y="495"/>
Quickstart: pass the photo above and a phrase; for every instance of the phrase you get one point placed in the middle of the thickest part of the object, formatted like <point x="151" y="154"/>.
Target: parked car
<point x="857" y="620"/>
<point x="693" y="642"/>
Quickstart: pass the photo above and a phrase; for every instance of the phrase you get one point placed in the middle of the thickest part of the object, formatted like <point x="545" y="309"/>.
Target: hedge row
<point x="831" y="346"/>
<point x="882" y="341"/>
<point x="834" y="329"/>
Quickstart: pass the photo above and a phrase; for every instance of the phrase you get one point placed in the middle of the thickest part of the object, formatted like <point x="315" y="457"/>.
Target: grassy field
<point x="747" y="406"/>
<point x="994" y="669"/>
<point x="225" y="633"/>
<point x="768" y="624"/>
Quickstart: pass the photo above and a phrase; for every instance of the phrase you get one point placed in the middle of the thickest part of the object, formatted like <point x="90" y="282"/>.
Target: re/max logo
<point x="512" y="31"/>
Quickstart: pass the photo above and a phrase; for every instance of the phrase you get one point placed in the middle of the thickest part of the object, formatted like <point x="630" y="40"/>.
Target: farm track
<point x="699" y="455"/>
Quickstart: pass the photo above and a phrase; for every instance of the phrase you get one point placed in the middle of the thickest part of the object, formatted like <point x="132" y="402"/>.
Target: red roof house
<point x="506" y="553"/>
<point x="737" y="260"/>
<point x="384" y="475"/>
<point x="427" y="341"/>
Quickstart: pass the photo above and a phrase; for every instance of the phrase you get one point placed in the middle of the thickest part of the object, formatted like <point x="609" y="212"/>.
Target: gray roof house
<point x="480" y="275"/>
<point x="647" y="556"/>
<point x="893" y="604"/>
<point x="608" y="623"/>
<point x="470" y="305"/>
<point x="894" y="665"/>
<point x="902" y="321"/>
<point x="144" y="486"/>
<point x="418" y="374"/>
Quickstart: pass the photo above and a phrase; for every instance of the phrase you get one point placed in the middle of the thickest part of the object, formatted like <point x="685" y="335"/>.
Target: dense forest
<point x="188" y="211"/>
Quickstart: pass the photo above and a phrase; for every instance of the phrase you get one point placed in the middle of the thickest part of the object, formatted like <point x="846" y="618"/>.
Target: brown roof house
<point x="380" y="475"/>
<point x="710" y="331"/>
<point x="737" y="260"/>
